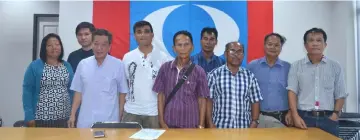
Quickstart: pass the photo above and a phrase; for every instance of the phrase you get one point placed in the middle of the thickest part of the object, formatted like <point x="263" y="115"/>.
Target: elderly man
<point x="316" y="86"/>
<point x="272" y="74"/>
<point x="234" y="92"/>
<point x="182" y="88"/>
<point x="99" y="84"/>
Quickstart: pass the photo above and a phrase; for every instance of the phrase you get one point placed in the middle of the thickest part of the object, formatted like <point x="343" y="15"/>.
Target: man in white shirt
<point x="141" y="67"/>
<point x="99" y="84"/>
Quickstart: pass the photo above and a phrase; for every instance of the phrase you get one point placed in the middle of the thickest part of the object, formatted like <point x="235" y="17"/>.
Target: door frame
<point x="35" y="32"/>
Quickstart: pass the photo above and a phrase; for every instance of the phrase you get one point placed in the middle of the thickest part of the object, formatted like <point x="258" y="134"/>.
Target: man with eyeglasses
<point x="272" y="73"/>
<point x="234" y="92"/>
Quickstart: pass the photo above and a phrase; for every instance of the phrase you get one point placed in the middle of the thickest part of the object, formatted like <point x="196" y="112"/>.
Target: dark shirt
<point x="76" y="56"/>
<point x="208" y="66"/>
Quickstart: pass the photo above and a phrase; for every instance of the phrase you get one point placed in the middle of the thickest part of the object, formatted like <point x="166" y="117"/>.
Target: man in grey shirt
<point x="316" y="86"/>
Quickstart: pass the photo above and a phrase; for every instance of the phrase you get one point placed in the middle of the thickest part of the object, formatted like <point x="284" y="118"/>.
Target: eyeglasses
<point x="238" y="52"/>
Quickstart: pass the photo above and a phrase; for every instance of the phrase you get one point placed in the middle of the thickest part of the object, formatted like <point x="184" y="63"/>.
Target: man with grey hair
<point x="234" y="92"/>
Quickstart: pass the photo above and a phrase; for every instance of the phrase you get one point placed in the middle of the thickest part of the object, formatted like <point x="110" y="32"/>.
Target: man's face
<point x="235" y="54"/>
<point x="143" y="35"/>
<point x="101" y="46"/>
<point x="315" y="43"/>
<point x="84" y="37"/>
<point x="183" y="46"/>
<point x="208" y="42"/>
<point x="273" y="46"/>
<point x="53" y="47"/>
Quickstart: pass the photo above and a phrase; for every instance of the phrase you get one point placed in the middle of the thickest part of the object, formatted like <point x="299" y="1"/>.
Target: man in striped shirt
<point x="234" y="91"/>
<point x="316" y="86"/>
<point x="186" y="109"/>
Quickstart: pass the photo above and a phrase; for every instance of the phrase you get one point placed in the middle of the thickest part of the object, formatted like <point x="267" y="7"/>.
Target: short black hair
<point x="83" y="25"/>
<point x="142" y="23"/>
<point x="315" y="30"/>
<point x="209" y="31"/>
<point x="183" y="32"/>
<point x="43" y="55"/>
<point x="102" y="32"/>
<point x="282" y="38"/>
<point x="227" y="46"/>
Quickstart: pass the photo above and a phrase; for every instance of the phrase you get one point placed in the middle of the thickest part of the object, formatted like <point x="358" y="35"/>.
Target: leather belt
<point x="273" y="113"/>
<point x="318" y="113"/>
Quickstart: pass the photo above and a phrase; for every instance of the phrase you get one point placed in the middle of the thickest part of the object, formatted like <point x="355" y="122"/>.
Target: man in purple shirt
<point x="186" y="109"/>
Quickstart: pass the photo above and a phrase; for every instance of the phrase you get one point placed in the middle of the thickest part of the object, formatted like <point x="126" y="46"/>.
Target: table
<point x="172" y="134"/>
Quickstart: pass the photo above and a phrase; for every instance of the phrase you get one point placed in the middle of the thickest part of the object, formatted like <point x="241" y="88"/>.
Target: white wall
<point x="70" y="15"/>
<point x="293" y="18"/>
<point x="16" y="39"/>
<point x="342" y="47"/>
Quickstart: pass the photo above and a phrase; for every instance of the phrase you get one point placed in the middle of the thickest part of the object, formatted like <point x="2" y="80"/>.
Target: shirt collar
<point x="278" y="61"/>
<point x="141" y="54"/>
<point x="174" y="63"/>
<point x="105" y="59"/>
<point x="227" y="68"/>
<point x="307" y="60"/>
<point x="201" y="54"/>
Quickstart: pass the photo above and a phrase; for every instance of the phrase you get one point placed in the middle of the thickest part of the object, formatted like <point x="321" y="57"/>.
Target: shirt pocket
<point x="281" y="83"/>
<point x="189" y="87"/>
<point x="328" y="81"/>
<point x="107" y="84"/>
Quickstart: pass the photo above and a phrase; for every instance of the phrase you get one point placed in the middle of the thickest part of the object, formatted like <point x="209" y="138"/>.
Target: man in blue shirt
<point x="272" y="74"/>
<point x="206" y="58"/>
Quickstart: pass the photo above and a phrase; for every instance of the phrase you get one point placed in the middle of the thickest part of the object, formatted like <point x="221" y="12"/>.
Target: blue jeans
<point x="322" y="122"/>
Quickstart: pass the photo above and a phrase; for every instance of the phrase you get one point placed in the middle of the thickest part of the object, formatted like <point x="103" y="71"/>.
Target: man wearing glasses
<point x="234" y="92"/>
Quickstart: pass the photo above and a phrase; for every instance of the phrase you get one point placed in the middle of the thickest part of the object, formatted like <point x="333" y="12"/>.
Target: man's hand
<point x="163" y="125"/>
<point x="212" y="125"/>
<point x="31" y="123"/>
<point x="71" y="121"/>
<point x="299" y="122"/>
<point x="288" y="119"/>
<point x="334" y="117"/>
<point x="253" y="124"/>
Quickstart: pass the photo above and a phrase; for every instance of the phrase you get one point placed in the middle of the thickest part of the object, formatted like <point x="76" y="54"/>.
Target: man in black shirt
<point x="84" y="36"/>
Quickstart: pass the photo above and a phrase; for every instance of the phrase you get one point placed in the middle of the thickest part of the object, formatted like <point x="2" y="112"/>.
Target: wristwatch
<point x="255" y="121"/>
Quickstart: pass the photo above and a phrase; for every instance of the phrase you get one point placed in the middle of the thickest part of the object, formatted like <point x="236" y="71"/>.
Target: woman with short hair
<point x="47" y="97"/>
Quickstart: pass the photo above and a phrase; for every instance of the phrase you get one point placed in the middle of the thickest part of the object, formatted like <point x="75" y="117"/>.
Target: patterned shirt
<point x="54" y="100"/>
<point x="141" y="73"/>
<point x="208" y="66"/>
<point x="273" y="82"/>
<point x="232" y="97"/>
<point x="323" y="82"/>
<point x="183" y="109"/>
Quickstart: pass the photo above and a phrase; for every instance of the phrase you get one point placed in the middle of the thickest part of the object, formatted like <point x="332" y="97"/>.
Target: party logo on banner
<point x="229" y="18"/>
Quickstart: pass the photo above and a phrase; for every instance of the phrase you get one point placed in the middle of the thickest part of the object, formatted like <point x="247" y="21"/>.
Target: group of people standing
<point x="201" y="91"/>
